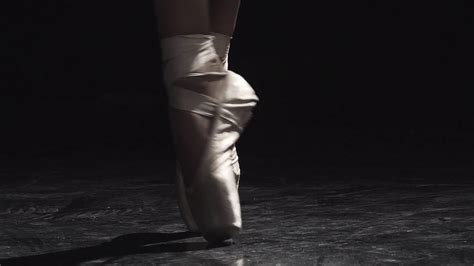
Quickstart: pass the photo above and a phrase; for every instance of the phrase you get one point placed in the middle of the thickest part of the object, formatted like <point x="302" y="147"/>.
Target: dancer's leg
<point x="185" y="17"/>
<point x="210" y="107"/>
<point x="223" y="18"/>
<point x="190" y="131"/>
<point x="181" y="17"/>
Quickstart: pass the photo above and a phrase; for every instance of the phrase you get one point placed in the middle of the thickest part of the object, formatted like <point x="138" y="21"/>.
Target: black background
<point x="342" y="83"/>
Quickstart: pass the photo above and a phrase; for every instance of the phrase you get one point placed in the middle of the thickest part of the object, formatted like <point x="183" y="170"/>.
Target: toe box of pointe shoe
<point x="221" y="234"/>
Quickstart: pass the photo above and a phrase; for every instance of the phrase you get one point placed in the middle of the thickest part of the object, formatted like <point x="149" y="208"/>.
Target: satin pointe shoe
<point x="205" y="130"/>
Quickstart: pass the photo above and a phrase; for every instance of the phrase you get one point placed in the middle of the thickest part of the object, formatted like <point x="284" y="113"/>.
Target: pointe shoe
<point x="183" y="201"/>
<point x="210" y="203"/>
<point x="221" y="44"/>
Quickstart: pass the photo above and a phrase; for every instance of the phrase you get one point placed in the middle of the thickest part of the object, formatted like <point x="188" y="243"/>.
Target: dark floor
<point x="124" y="212"/>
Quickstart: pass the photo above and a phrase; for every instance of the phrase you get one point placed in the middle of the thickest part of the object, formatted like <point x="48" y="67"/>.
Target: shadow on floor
<point x="139" y="243"/>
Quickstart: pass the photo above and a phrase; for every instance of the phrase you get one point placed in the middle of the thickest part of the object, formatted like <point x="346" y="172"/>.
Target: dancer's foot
<point x="211" y="107"/>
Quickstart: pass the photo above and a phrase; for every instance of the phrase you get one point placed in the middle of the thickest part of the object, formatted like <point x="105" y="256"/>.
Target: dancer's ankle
<point x="191" y="62"/>
<point x="222" y="46"/>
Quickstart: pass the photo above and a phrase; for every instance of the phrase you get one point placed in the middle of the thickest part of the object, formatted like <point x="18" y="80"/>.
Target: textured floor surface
<point x="125" y="214"/>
